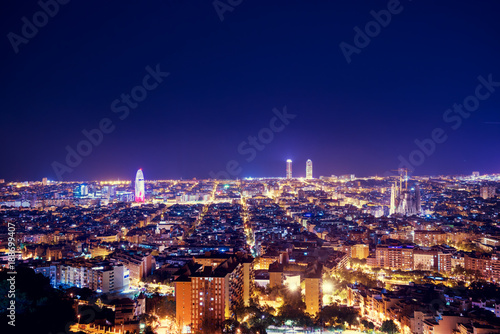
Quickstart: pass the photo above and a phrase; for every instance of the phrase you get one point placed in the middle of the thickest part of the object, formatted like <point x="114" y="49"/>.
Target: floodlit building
<point x="309" y="169"/>
<point x="139" y="186"/>
<point x="360" y="251"/>
<point x="405" y="201"/>
<point x="289" y="169"/>
<point x="313" y="290"/>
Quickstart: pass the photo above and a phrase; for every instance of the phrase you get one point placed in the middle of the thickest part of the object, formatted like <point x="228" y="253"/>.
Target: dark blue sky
<point x="227" y="76"/>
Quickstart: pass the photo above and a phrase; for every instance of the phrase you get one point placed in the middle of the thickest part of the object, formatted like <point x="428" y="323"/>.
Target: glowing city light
<point x="139" y="186"/>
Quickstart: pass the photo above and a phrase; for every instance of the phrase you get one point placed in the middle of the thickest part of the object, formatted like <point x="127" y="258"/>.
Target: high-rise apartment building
<point x="487" y="265"/>
<point x="487" y="192"/>
<point x="208" y="295"/>
<point x="103" y="277"/>
<point x="313" y="289"/>
<point x="395" y="257"/>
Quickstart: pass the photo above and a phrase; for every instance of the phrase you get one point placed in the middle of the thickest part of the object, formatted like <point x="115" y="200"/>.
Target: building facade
<point x="139" y="186"/>
<point x="309" y="169"/>
<point x="289" y="169"/>
<point x="395" y="257"/>
<point x="208" y="296"/>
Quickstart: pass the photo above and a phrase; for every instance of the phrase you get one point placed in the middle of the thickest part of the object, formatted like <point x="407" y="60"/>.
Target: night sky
<point x="226" y="77"/>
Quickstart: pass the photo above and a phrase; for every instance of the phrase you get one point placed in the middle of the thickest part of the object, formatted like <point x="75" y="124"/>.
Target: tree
<point x="368" y="324"/>
<point x="162" y="306"/>
<point x="148" y="318"/>
<point x="209" y="326"/>
<point x="293" y="309"/>
<point x="39" y="307"/>
<point x="336" y="315"/>
<point x="389" y="327"/>
<point x="229" y="325"/>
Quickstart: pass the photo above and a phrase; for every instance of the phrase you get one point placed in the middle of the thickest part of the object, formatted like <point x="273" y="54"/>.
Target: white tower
<point x="289" y="169"/>
<point x="309" y="169"/>
<point x="139" y="186"/>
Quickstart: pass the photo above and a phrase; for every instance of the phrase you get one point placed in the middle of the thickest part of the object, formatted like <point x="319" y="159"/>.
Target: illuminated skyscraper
<point x="289" y="169"/>
<point x="139" y="186"/>
<point x="309" y="169"/>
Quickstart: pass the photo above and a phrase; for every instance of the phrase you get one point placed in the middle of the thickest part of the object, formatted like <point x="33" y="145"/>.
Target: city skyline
<point x="132" y="180"/>
<point x="189" y="112"/>
<point x="393" y="173"/>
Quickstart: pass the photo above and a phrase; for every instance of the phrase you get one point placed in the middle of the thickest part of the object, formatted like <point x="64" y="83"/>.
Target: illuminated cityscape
<point x="157" y="170"/>
<point x="234" y="251"/>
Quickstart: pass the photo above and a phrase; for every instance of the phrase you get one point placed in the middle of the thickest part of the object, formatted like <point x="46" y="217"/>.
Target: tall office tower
<point x="309" y="169"/>
<point x="139" y="186"/>
<point x="289" y="169"/>
<point x="84" y="189"/>
<point x="44" y="181"/>
<point x="403" y="200"/>
<point x="475" y="174"/>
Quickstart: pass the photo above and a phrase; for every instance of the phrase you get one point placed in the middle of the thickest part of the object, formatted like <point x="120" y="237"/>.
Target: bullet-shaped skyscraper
<point x="139" y="186"/>
<point x="309" y="169"/>
<point x="289" y="169"/>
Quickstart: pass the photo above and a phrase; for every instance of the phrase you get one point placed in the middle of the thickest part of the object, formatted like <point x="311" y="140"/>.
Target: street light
<point x="327" y="287"/>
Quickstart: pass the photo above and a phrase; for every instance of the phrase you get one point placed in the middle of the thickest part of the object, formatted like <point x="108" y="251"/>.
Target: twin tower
<point x="309" y="169"/>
